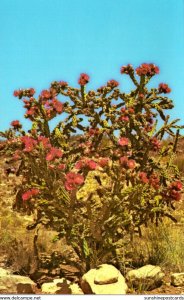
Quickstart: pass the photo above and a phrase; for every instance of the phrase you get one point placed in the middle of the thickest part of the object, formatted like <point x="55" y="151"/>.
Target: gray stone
<point x="177" y="279"/>
<point x="98" y="281"/>
<point x="145" y="278"/>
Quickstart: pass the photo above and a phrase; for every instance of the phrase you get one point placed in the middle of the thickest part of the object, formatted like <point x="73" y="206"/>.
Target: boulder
<point x="4" y="272"/>
<point x="75" y="289"/>
<point x="15" y="284"/>
<point x="106" y="274"/>
<point x="145" y="278"/>
<point x="177" y="279"/>
<point x="105" y="279"/>
<point x="61" y="286"/>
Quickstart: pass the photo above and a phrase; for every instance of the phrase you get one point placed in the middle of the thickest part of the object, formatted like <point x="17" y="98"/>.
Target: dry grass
<point x="165" y="247"/>
<point x="162" y="245"/>
<point x="179" y="162"/>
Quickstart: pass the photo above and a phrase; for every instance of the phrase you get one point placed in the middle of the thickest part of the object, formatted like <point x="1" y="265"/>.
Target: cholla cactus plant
<point x="103" y="131"/>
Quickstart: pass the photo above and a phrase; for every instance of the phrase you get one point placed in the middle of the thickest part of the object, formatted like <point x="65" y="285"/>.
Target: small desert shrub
<point x="15" y="243"/>
<point x="165" y="246"/>
<point x="20" y="256"/>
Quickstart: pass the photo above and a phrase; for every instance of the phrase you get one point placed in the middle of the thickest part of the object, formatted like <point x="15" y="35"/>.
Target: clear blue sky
<point x="46" y="40"/>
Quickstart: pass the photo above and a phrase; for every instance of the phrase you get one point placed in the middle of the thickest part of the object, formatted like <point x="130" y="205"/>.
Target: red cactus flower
<point x="79" y="179"/>
<point x="73" y="180"/>
<point x="154" y="181"/>
<point x="31" y="92"/>
<point x="124" y="161"/>
<point x="54" y="153"/>
<point x="131" y="110"/>
<point x="26" y="196"/>
<point x="29" y="143"/>
<point x="112" y="83"/>
<point x="27" y="103"/>
<point x="57" y="105"/>
<point x="46" y="94"/>
<point x="69" y="186"/>
<point x="175" y="195"/>
<point x="80" y="164"/>
<point x="103" y="162"/>
<point x="147" y="70"/>
<point x="91" y="164"/>
<point x="44" y="141"/>
<point x="18" y="93"/>
<point x="93" y="131"/>
<point x="155" y="143"/>
<point x="143" y="177"/>
<point x="127" y="163"/>
<point x="131" y="164"/>
<point x="16" y="124"/>
<point x="176" y="185"/>
<point x="124" y="118"/>
<point x="126" y="69"/>
<point x="61" y="167"/>
<point x="164" y="88"/>
<point x="148" y="128"/>
<point x="31" y="113"/>
<point x="70" y="177"/>
<point x="123" y="141"/>
<point x="83" y="79"/>
<point x="123" y="110"/>
<point x="63" y="84"/>
<point x="29" y="194"/>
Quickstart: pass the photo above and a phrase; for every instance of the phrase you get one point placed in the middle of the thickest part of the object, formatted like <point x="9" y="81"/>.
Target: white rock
<point x="90" y="281"/>
<point x="58" y="286"/>
<point x="61" y="280"/>
<point x="106" y="274"/>
<point x="49" y="288"/>
<point x="177" y="279"/>
<point x="145" y="278"/>
<point x="75" y="289"/>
